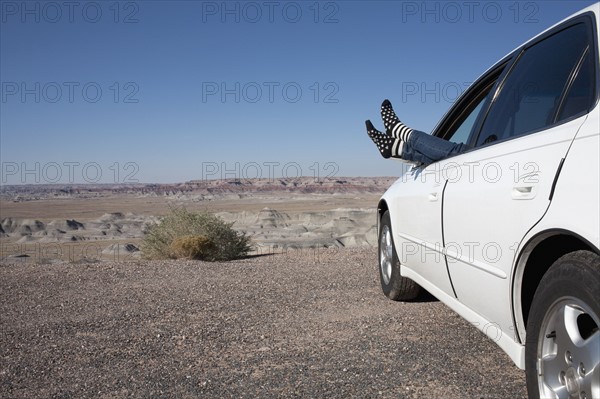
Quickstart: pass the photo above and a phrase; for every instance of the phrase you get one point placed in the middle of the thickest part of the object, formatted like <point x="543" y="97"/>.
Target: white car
<point x="507" y="234"/>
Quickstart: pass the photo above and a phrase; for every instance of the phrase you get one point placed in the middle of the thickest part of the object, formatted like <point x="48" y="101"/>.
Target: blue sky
<point x="169" y="91"/>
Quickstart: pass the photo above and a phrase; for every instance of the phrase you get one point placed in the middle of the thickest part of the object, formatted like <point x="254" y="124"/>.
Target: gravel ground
<point x="295" y="325"/>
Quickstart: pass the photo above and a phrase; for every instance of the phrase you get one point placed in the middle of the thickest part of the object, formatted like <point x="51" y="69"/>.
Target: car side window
<point x="463" y="132"/>
<point x="530" y="95"/>
<point x="461" y="123"/>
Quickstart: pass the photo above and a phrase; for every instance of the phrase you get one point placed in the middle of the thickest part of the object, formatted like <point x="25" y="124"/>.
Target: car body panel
<point x="420" y="250"/>
<point x="464" y="227"/>
<point x="503" y="192"/>
<point x="575" y="206"/>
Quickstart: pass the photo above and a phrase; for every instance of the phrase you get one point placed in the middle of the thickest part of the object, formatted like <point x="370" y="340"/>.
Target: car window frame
<point x="588" y="19"/>
<point x="467" y="103"/>
<point x="569" y="86"/>
<point x="498" y="74"/>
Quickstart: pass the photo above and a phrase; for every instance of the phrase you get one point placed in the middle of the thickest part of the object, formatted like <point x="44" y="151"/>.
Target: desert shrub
<point x="182" y="226"/>
<point x="192" y="247"/>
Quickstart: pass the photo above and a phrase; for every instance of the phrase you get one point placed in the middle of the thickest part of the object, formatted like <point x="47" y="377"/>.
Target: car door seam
<point x="444" y="239"/>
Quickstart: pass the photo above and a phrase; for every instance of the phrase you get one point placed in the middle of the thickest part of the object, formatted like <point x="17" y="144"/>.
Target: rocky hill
<point x="204" y="188"/>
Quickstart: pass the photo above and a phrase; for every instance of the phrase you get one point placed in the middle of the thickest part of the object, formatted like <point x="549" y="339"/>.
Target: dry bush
<point x="192" y="247"/>
<point x="227" y="244"/>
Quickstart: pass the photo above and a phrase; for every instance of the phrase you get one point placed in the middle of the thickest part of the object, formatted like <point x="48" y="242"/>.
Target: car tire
<point x="394" y="286"/>
<point x="562" y="350"/>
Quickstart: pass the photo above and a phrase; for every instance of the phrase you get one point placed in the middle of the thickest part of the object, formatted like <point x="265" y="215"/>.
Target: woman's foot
<point x="388" y="146"/>
<point x="393" y="126"/>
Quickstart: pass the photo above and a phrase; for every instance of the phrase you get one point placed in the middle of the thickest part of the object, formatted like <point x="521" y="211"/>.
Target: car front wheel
<point x="394" y="286"/>
<point x="562" y="352"/>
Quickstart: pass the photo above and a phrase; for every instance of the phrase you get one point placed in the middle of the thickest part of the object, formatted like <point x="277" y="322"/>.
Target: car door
<point x="417" y="208"/>
<point x="502" y="188"/>
<point x="418" y="232"/>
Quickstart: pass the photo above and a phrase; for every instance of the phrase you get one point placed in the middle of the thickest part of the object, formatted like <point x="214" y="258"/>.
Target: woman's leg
<point x="431" y="148"/>
<point x="391" y="147"/>
<point x="419" y="146"/>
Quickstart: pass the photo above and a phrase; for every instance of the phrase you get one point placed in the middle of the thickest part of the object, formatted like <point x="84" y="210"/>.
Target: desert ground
<point x="83" y="315"/>
<point x="306" y="323"/>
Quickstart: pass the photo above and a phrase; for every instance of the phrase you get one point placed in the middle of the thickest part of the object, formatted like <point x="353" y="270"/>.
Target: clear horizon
<point x="207" y="179"/>
<point x="168" y="92"/>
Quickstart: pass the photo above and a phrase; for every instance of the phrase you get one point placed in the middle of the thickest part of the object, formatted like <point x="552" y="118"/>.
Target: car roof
<point x="594" y="8"/>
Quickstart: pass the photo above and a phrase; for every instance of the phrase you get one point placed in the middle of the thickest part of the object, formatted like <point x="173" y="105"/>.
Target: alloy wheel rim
<point x="386" y="252"/>
<point x="568" y="360"/>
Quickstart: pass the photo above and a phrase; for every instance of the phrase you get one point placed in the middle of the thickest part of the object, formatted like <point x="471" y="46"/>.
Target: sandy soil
<point x="302" y="324"/>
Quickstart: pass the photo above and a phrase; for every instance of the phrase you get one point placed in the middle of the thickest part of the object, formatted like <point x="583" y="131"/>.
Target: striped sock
<point x="387" y="145"/>
<point x="392" y="124"/>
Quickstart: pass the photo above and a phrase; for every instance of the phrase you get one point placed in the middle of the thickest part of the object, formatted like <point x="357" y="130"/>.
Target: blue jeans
<point x="425" y="148"/>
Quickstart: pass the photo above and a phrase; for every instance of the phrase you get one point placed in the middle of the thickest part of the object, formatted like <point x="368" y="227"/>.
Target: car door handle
<point x="433" y="197"/>
<point x="523" y="192"/>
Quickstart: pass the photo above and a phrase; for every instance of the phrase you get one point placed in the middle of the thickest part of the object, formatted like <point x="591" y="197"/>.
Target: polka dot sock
<point x="392" y="124"/>
<point x="387" y="145"/>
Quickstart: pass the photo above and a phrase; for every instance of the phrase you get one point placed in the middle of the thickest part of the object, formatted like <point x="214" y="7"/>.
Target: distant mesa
<point x="204" y="187"/>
